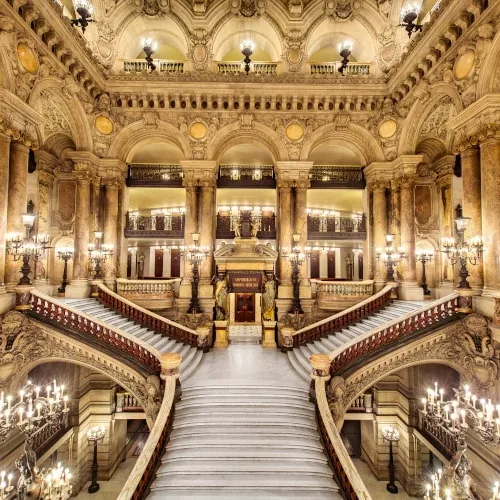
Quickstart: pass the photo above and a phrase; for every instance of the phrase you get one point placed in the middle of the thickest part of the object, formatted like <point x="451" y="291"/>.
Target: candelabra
<point x="65" y="254"/>
<point x="195" y="255"/>
<point x="5" y="487"/>
<point x="390" y="256"/>
<point x="424" y="257"/>
<point x="85" y="10"/>
<point x="149" y="47"/>
<point x="247" y="47"/>
<point x="409" y="15"/>
<point x="26" y="247"/>
<point x="469" y="251"/>
<point x="99" y="253"/>
<point x="296" y="258"/>
<point x="391" y="435"/>
<point x="56" y="483"/>
<point x="345" y="49"/>
<point x="94" y="435"/>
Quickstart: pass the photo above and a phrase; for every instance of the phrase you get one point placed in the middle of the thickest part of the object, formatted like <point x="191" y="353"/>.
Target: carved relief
<point x="103" y="46"/>
<point x="341" y="10"/>
<point x="295" y="53"/>
<point x="248" y="8"/>
<point x="66" y="201"/>
<point x="200" y="46"/>
<point x="152" y="7"/>
<point x="55" y="120"/>
<point x="389" y="52"/>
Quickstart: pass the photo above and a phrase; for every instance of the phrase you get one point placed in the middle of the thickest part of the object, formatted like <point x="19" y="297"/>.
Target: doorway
<point x="331" y="263"/>
<point x="245" y="308"/>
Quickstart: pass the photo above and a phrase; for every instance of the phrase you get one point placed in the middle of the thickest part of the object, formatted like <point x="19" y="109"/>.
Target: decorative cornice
<point x="482" y="113"/>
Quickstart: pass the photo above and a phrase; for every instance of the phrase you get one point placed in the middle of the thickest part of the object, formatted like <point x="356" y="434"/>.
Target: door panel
<point x="331" y="263"/>
<point x="175" y="263"/>
<point x="314" y="260"/>
<point x="158" y="263"/>
<point x="245" y="308"/>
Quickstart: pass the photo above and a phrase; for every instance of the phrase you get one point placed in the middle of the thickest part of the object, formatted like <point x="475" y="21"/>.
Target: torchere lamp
<point x="99" y="253"/>
<point x="296" y="258"/>
<point x="391" y="435"/>
<point x="65" y="254"/>
<point x="345" y="50"/>
<point x="409" y="14"/>
<point x="424" y="257"/>
<point x="149" y="47"/>
<point x="85" y="10"/>
<point x="195" y="254"/>
<point x="390" y="256"/>
<point x="94" y="435"/>
<point x="464" y="251"/>
<point x="247" y="48"/>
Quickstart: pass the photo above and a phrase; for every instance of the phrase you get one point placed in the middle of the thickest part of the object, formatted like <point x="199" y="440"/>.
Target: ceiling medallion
<point x="464" y="64"/>
<point x="387" y="128"/>
<point x="103" y="125"/>
<point x="27" y="57"/>
<point x="294" y="131"/>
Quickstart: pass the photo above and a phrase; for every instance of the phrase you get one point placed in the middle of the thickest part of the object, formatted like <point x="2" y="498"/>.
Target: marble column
<point x="471" y="205"/>
<point x="17" y="204"/>
<point x="285" y="234"/>
<point x="4" y="191"/>
<point x="122" y="255"/>
<point x="207" y="228"/>
<point x="379" y="216"/>
<point x="300" y="212"/>
<point x="110" y="230"/>
<point x="490" y="213"/>
<point x="190" y="221"/>
<point x="446" y="230"/>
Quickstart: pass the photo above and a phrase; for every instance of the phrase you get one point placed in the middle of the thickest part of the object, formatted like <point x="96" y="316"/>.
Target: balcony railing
<point x="333" y="176"/>
<point x="237" y="67"/>
<point x="329" y="227"/>
<point x="126" y="402"/>
<point x="154" y="175"/>
<point x="150" y="294"/>
<point x="246" y="226"/>
<point x="154" y="226"/>
<point x="332" y="68"/>
<point x="338" y="295"/>
<point x="162" y="65"/>
<point x="245" y="176"/>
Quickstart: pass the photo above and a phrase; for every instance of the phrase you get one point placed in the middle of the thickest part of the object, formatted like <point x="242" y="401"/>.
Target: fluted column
<point x="4" y="191"/>
<point x="17" y="204"/>
<point x="207" y="227"/>
<point x="110" y="232"/>
<point x="285" y="233"/>
<point x="379" y="217"/>
<point x="471" y="182"/>
<point x="490" y="213"/>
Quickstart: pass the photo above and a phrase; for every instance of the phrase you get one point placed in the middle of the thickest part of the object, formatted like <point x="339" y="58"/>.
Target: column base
<point x="78" y="289"/>
<point x="7" y="300"/>
<point x="410" y="290"/>
<point x="269" y="341"/>
<point x="221" y="334"/>
<point x="465" y="300"/>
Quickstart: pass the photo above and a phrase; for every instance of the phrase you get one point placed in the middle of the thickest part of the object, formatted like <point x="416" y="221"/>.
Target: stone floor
<point x="376" y="488"/>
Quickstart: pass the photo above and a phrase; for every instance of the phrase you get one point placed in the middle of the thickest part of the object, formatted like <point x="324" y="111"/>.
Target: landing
<point x="245" y="364"/>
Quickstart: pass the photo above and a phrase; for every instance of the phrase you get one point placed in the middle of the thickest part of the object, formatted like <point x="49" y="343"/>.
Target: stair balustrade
<point x="438" y="313"/>
<point x="339" y="294"/>
<point x="150" y="320"/>
<point x="152" y="294"/>
<point x="339" y="321"/>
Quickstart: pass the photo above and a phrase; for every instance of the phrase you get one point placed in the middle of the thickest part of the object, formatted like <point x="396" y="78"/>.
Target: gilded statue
<point x="221" y="298"/>
<point x="269" y="299"/>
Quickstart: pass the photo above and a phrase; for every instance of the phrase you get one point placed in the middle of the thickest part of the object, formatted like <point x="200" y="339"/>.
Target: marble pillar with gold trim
<point x="110" y="232"/>
<point x="4" y="190"/>
<point x="379" y="223"/>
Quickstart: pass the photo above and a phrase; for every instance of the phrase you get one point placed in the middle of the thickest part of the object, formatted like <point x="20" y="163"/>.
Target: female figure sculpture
<point x="269" y="299"/>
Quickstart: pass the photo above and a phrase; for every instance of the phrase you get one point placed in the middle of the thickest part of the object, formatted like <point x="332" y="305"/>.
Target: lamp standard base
<point x="392" y="488"/>
<point x="94" y="488"/>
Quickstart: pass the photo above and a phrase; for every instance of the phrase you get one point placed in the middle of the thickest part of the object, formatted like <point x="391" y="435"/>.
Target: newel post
<point x="170" y="367"/>
<point x="320" y="370"/>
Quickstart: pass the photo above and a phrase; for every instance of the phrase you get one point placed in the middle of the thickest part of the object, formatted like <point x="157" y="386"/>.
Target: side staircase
<point x="244" y="442"/>
<point x="191" y="356"/>
<point x="299" y="356"/>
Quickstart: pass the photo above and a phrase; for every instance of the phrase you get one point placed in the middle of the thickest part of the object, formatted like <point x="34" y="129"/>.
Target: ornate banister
<point x="339" y="321"/>
<point x="428" y="316"/>
<point x="148" y="319"/>
<point x="57" y="312"/>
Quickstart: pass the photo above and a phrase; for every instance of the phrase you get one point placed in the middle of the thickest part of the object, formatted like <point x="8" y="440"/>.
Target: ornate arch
<point x="137" y="132"/>
<point x="357" y="138"/>
<point x="232" y="135"/>
<point x="418" y="117"/>
<point x="489" y="75"/>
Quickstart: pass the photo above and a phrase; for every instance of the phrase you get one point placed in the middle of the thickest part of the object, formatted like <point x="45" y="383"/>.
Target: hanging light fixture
<point x="345" y="50"/>
<point x="247" y="47"/>
<point x="85" y="10"/>
<point x="409" y="14"/>
<point x="149" y="46"/>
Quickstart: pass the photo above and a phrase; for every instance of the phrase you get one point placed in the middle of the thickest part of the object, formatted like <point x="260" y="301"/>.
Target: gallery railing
<point x="332" y="68"/>
<point x="246" y="226"/>
<point x="330" y="227"/>
<point x="237" y="67"/>
<point x="150" y="294"/>
<point x="245" y="176"/>
<point x="334" y="176"/>
<point x="154" y="226"/>
<point x="162" y="65"/>
<point x="144" y="175"/>
<point x="341" y="294"/>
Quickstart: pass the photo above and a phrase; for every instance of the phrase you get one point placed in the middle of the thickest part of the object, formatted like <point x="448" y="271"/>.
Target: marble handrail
<point x="347" y="474"/>
<point x="154" y="447"/>
<point x="145" y="286"/>
<point x="349" y="288"/>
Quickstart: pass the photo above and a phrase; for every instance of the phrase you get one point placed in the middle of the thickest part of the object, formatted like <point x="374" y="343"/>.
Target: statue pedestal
<point x="269" y="341"/>
<point x="221" y="334"/>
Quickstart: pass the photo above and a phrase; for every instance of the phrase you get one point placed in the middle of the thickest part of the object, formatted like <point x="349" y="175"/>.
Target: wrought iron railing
<point x="439" y="435"/>
<point x="330" y="227"/>
<point x="162" y="65"/>
<point x="332" y="68"/>
<point x="334" y="176"/>
<point x="246" y="226"/>
<point x="154" y="226"/>
<point x="246" y="176"/>
<point x="140" y="174"/>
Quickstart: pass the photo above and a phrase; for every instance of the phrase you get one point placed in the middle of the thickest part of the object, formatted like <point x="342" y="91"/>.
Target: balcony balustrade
<point x="337" y="177"/>
<point x="126" y="402"/>
<point x="332" y="68"/>
<point x="238" y="67"/>
<point x="246" y="176"/>
<point x="339" y="295"/>
<point x="154" y="226"/>
<point x="151" y="294"/>
<point x="330" y="227"/>
<point x="142" y="175"/>
<point x="246" y="225"/>
<point x="162" y="66"/>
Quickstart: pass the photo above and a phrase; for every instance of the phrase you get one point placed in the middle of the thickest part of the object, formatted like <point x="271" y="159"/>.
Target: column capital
<point x="293" y="173"/>
<point x="406" y="165"/>
<point x="82" y="172"/>
<point x="378" y="172"/>
<point x="45" y="161"/>
<point x="45" y="177"/>
<point x="379" y="185"/>
<point x="114" y="183"/>
<point x="199" y="173"/>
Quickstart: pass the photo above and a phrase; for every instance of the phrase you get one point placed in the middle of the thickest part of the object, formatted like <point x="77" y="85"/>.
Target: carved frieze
<point x="248" y="8"/>
<point x="152" y="8"/>
<point x="341" y="10"/>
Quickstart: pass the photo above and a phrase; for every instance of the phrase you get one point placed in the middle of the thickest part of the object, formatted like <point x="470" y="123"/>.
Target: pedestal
<point x="465" y="300"/>
<point x="269" y="341"/>
<point x="410" y="291"/>
<point x="78" y="289"/>
<point x="285" y="338"/>
<point x="23" y="297"/>
<point x="221" y="334"/>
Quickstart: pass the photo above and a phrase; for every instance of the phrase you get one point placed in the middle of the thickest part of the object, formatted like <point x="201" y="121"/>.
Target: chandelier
<point x="409" y="14"/>
<point x="85" y="10"/>
<point x="99" y="253"/>
<point x="247" y="48"/>
<point x="345" y="50"/>
<point x="56" y="483"/>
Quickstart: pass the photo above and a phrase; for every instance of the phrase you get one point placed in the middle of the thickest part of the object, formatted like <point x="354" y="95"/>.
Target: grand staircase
<point x="299" y="356"/>
<point x="191" y="356"/>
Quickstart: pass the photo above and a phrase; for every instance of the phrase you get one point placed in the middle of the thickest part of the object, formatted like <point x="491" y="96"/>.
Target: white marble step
<point x="245" y="439"/>
<point x="222" y="390"/>
<point x="224" y="408"/>
<point x="283" y="493"/>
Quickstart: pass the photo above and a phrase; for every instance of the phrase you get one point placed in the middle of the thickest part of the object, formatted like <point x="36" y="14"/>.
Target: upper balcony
<point x="337" y="177"/>
<point x="246" y="176"/>
<point x="143" y="175"/>
<point x="331" y="227"/>
<point x="246" y="225"/>
<point x="154" y="226"/>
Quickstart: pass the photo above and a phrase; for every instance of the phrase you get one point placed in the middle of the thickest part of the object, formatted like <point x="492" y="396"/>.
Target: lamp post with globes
<point x="94" y="435"/>
<point x="390" y="256"/>
<point x="65" y="254"/>
<point x="409" y="14"/>
<point x="424" y="257"/>
<point x="391" y="435"/>
<point x="345" y="50"/>
<point x="149" y="47"/>
<point x="85" y="10"/>
<point x="195" y="254"/>
<point x="247" y="48"/>
<point x="296" y="257"/>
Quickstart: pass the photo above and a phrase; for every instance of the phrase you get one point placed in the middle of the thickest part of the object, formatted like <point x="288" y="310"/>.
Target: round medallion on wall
<point x="198" y="130"/>
<point x="464" y="64"/>
<point x="199" y="53"/>
<point x="27" y="57"/>
<point x="293" y="55"/>
<point x="104" y="125"/>
<point x="387" y="128"/>
<point x="295" y="131"/>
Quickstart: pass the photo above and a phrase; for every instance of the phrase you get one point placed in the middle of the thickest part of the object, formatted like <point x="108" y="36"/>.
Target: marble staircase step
<point x="246" y="439"/>
<point x="283" y="493"/>
<point x="224" y="390"/>
<point x="231" y="407"/>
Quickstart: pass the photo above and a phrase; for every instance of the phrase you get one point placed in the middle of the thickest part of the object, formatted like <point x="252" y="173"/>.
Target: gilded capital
<point x="381" y="185"/>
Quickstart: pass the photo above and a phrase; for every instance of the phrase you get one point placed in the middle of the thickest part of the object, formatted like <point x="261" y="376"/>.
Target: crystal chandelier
<point x="85" y="10"/>
<point x="56" y="483"/>
<point x="345" y="50"/>
<point x="247" y="48"/>
<point x="390" y="256"/>
<point x="409" y="14"/>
